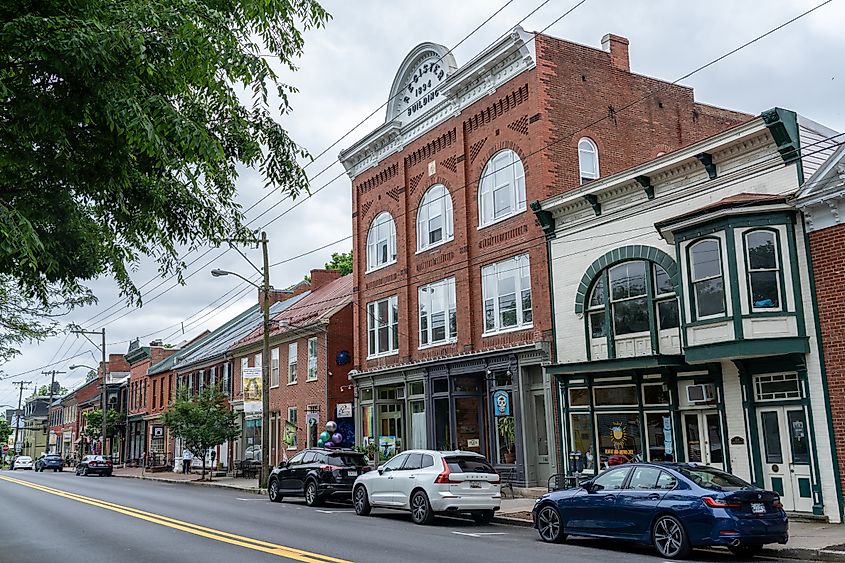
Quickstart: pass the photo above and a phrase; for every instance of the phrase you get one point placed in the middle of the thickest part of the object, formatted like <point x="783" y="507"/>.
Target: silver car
<point x="428" y="482"/>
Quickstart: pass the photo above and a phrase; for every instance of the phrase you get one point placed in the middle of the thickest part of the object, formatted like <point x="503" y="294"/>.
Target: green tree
<point x="6" y="430"/>
<point x="123" y="125"/>
<point x="44" y="391"/>
<point x="341" y="261"/>
<point x="94" y="423"/>
<point x="202" y="421"/>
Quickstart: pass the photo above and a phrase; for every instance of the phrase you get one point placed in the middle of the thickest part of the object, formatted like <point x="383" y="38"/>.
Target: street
<point x="59" y="517"/>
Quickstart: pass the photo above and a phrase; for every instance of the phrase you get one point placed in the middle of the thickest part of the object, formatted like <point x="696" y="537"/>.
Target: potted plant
<point x="507" y="429"/>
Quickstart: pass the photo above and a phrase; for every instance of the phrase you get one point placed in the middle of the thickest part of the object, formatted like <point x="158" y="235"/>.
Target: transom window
<point x="506" y="288"/>
<point x="708" y="285"/>
<point x="502" y="190"/>
<point x="381" y="242"/>
<point x="777" y="387"/>
<point x="383" y="327"/>
<point x="761" y="247"/>
<point x="434" y="218"/>
<point x="438" y="315"/>
<point x="588" y="160"/>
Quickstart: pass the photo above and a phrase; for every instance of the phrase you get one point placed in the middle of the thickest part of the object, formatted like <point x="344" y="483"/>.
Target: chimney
<point x="279" y="295"/>
<point x="617" y="46"/>
<point x="320" y="278"/>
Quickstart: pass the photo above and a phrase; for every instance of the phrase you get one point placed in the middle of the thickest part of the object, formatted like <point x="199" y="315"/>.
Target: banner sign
<point x="290" y="434"/>
<point x="344" y="410"/>
<point x="251" y="385"/>
<point x="501" y="403"/>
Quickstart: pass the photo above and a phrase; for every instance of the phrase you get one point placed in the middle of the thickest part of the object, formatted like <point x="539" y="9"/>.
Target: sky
<point x="345" y="75"/>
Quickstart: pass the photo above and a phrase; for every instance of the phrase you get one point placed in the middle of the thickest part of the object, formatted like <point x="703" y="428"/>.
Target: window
<point x="438" y="316"/>
<point x="381" y="242"/>
<point x="434" y="218"/>
<point x="588" y="160"/>
<point x="666" y="482"/>
<point x="506" y="287"/>
<point x="383" y="327"/>
<point x="611" y="480"/>
<point x="274" y="367"/>
<point x="292" y="416"/>
<point x="312" y="359"/>
<point x="763" y="269"/>
<point x="292" y="351"/>
<point x="596" y="316"/>
<point x="629" y="298"/>
<point x="708" y="286"/>
<point x="502" y="189"/>
<point x="394" y="464"/>
<point x="777" y="387"/>
<point x="413" y="461"/>
<point x="644" y="478"/>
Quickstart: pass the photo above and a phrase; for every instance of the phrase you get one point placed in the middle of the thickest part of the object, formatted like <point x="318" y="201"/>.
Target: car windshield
<point x="714" y="479"/>
<point x="346" y="459"/>
<point x="52" y="456"/>
<point x="469" y="464"/>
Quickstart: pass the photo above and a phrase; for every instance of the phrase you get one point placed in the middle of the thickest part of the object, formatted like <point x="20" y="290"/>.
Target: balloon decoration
<point x="328" y="445"/>
<point x="331" y="427"/>
<point x="337" y="437"/>
<point x="331" y="438"/>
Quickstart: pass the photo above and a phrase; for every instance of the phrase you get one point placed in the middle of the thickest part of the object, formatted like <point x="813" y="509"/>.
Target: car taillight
<point x="719" y="503"/>
<point x="365" y="468"/>
<point x="494" y="479"/>
<point x="443" y="478"/>
<point x="92" y="463"/>
<point x="330" y="467"/>
<point x="777" y="503"/>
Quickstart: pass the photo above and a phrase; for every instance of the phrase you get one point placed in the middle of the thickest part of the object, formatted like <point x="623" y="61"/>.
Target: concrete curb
<point x="251" y="490"/>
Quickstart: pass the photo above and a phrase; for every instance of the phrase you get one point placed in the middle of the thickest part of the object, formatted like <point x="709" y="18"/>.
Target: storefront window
<point x="619" y="434"/>
<point x="440" y="386"/>
<point x="416" y="388"/>
<point x="442" y="427"/>
<point x="468" y="423"/>
<point x="390" y="426"/>
<point x="365" y="394"/>
<point x="252" y="439"/>
<point x="367" y="423"/>
<point x="506" y="437"/>
<point x="467" y="384"/>
<point x="655" y="394"/>
<point x="659" y="435"/>
<point x="616" y="395"/>
<point x="579" y="397"/>
<point x="417" y="437"/>
<point x="583" y="454"/>
<point x="504" y="379"/>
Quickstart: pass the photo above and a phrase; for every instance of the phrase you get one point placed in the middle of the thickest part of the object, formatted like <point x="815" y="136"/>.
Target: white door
<point x="703" y="438"/>
<point x="786" y="456"/>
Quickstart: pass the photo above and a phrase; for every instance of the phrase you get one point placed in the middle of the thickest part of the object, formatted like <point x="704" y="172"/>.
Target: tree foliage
<point x="5" y="431"/>
<point x="44" y="391"/>
<point x="202" y="421"/>
<point x="123" y="124"/>
<point x="94" y="423"/>
<point x="341" y="261"/>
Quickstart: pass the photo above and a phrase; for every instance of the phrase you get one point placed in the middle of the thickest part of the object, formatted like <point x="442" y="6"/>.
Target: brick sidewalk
<point x="248" y="485"/>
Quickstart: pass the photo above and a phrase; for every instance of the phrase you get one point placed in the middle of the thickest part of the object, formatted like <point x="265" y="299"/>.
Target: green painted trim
<point x="617" y="365"/>
<point x="608" y="317"/>
<point x="679" y="291"/>
<point x="804" y="488"/>
<point x="716" y="371"/>
<point x="756" y="347"/>
<point x="645" y="184"/>
<point x="797" y="290"/>
<point x="825" y="385"/>
<point x="783" y="126"/>
<point x="651" y="304"/>
<point x="733" y="275"/>
<point x="803" y="377"/>
<point x="777" y="485"/>
<point x="691" y="284"/>
<point x="546" y="220"/>
<point x="593" y="200"/>
<point x="762" y="219"/>
<point x="624" y="254"/>
<point x="752" y="429"/>
<point x="782" y="287"/>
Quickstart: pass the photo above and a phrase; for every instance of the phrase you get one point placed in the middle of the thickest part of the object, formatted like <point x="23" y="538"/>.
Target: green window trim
<point x="782" y="306"/>
<point x="693" y="300"/>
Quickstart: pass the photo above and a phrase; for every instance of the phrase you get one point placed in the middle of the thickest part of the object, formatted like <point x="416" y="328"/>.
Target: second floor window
<point x="292" y="352"/>
<point x="588" y="160"/>
<point x="274" y="367"/>
<point x="438" y="316"/>
<point x="761" y="247"/>
<point x="383" y="327"/>
<point x="381" y="242"/>
<point x="312" y="359"/>
<point x="506" y="288"/>
<point x="501" y="192"/>
<point x="434" y="218"/>
<point x="708" y="285"/>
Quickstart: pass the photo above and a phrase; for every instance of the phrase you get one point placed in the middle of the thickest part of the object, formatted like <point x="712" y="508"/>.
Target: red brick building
<point x="451" y="291"/>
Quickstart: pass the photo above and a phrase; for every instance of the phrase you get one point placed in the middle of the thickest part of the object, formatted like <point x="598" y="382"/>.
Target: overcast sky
<point x="346" y="73"/>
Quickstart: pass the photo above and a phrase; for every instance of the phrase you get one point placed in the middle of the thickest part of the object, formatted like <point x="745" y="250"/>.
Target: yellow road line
<point x="196" y="529"/>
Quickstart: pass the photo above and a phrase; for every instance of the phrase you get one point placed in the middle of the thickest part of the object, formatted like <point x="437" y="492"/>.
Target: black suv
<point x="317" y="474"/>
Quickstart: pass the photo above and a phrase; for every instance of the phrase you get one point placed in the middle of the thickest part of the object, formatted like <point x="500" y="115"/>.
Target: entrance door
<point x="470" y="432"/>
<point x="786" y="456"/>
<point x="703" y="438"/>
<point x="540" y="438"/>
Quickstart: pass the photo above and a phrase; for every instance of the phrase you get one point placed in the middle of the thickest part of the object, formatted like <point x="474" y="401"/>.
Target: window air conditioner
<point x="701" y="393"/>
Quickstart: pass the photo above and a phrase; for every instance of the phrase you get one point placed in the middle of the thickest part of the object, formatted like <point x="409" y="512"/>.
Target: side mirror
<point x="380" y="471"/>
<point x="587" y="486"/>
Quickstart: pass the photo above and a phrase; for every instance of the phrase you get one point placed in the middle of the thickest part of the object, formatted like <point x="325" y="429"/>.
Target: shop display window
<point x="619" y="435"/>
<point x="615" y="395"/>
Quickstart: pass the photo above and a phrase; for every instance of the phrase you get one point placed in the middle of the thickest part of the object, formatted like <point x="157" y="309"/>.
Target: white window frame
<point x="295" y="411"/>
<point x="312" y="359"/>
<point x="374" y="324"/>
<point x="694" y="280"/>
<point x="776" y="270"/>
<point x="587" y="149"/>
<point x="500" y="175"/>
<point x="449" y="313"/>
<point x="437" y="202"/>
<point x="244" y="365"/>
<point x="293" y="350"/>
<point x="382" y="234"/>
<point x="274" y="367"/>
<point x="494" y="271"/>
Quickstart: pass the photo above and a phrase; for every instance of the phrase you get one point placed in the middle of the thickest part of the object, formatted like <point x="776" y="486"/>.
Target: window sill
<point x="384" y="355"/>
<point x="507" y="330"/>
<point x="436" y="344"/>
<point x="380" y="267"/>
<point x="501" y="219"/>
<point x="291" y="449"/>
<point x="292" y="383"/>
<point x="311" y="378"/>
<point x="434" y="246"/>
<point x="276" y="386"/>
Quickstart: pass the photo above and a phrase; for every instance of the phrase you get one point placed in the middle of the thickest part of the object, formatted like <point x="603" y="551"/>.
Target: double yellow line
<point x="195" y="529"/>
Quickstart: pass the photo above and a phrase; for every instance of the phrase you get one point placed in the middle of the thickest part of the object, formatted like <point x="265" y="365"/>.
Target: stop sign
<point x="5" y="448"/>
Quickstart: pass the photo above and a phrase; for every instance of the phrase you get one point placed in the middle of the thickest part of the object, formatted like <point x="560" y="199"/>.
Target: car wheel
<point x="85" y="472"/>
<point x="273" y="491"/>
<point x="483" y="516"/>
<point x="421" y="509"/>
<point x="55" y="471"/>
<point x="669" y="538"/>
<point x="311" y="496"/>
<point x="549" y="525"/>
<point x="746" y="549"/>
<point x="362" y="501"/>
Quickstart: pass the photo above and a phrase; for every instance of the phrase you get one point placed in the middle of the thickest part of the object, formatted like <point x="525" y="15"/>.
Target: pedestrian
<point x="187" y="458"/>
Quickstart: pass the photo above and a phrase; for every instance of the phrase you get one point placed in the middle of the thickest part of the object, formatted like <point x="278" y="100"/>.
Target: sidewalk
<point x="239" y="483"/>
<point x="807" y="540"/>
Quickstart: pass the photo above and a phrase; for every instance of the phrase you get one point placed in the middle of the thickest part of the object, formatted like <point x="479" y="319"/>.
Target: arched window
<point x="434" y="218"/>
<point x="381" y="242"/>
<point x="708" y="285"/>
<point x="502" y="189"/>
<point x="588" y="160"/>
<point x="761" y="248"/>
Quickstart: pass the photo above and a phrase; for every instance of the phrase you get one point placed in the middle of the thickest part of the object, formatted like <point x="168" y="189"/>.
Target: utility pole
<point x="265" y="372"/>
<point x="21" y="385"/>
<point x="52" y="374"/>
<point x="104" y="364"/>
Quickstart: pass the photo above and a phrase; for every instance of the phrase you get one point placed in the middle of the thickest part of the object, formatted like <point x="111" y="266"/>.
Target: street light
<point x="265" y="355"/>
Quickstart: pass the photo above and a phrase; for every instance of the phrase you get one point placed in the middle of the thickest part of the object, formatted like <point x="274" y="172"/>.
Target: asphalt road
<point x="62" y="518"/>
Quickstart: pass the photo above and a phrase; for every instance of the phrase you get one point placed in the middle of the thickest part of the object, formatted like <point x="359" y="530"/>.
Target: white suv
<point x="427" y="482"/>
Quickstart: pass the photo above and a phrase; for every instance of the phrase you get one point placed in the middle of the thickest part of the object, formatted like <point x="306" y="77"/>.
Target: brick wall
<point x="829" y="272"/>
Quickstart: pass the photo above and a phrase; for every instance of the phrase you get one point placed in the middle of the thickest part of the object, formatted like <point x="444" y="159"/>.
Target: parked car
<point x="94" y="465"/>
<point x="317" y="474"/>
<point x="428" y="482"/>
<point x="672" y="506"/>
<point x="50" y="461"/>
<point x="22" y="462"/>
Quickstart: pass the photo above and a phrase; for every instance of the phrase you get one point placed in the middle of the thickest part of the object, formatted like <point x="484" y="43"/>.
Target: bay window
<point x="708" y="285"/>
<point x="761" y="248"/>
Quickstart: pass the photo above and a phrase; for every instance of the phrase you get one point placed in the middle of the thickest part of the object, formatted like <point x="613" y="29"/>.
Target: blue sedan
<point x="674" y="507"/>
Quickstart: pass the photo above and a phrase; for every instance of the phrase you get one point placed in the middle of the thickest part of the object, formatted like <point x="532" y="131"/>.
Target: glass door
<point x="703" y="438"/>
<point x="786" y="451"/>
<point x="468" y="424"/>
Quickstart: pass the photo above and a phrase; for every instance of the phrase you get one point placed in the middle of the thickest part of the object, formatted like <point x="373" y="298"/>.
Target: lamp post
<point x="265" y="355"/>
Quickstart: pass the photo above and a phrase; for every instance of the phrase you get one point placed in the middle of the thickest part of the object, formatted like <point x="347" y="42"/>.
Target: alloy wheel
<point x="273" y="491"/>
<point x="548" y="524"/>
<point x="360" y="493"/>
<point x="311" y="493"/>
<point x="668" y="537"/>
<point x="419" y="508"/>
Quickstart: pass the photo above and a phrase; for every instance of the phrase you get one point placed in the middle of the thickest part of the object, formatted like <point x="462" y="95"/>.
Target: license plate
<point x="758" y="508"/>
<point x="475" y="485"/>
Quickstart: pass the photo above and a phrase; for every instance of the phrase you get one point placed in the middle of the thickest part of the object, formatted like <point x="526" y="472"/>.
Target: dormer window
<point x="588" y="160"/>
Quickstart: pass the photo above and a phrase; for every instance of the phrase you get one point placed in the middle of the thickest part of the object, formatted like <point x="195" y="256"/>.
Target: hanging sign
<point x="344" y="410"/>
<point x="251" y="384"/>
<point x="502" y="403"/>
